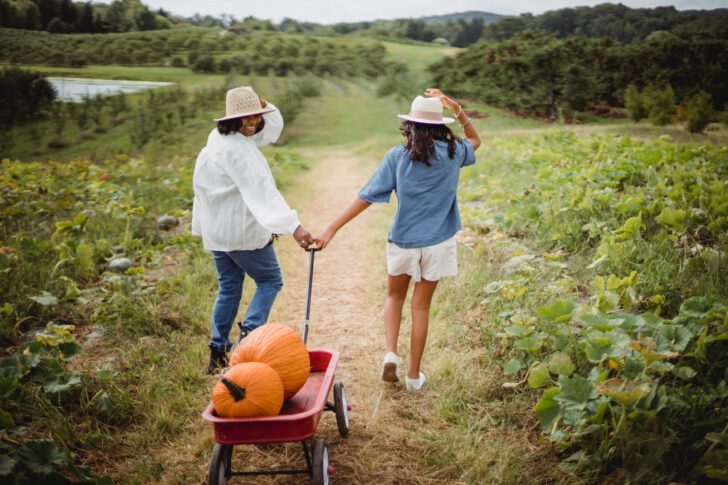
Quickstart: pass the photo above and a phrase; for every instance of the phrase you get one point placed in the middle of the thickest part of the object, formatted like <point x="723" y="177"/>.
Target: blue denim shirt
<point x="427" y="209"/>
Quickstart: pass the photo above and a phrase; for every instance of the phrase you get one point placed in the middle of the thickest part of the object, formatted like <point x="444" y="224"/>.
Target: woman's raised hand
<point x="446" y="102"/>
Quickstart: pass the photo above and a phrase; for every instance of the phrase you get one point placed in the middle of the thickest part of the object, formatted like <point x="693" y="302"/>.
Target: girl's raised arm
<point x="470" y="133"/>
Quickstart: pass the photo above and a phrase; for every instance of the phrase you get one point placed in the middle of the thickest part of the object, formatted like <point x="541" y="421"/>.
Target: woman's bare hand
<point x="325" y="238"/>
<point x="446" y="102"/>
<point x="303" y="237"/>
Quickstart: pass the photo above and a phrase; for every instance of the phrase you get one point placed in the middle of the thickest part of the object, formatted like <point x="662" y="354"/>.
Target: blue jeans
<point x="259" y="264"/>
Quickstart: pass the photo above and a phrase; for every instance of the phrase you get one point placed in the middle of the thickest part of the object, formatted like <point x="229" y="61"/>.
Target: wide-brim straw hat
<point x="428" y="111"/>
<point x="242" y="101"/>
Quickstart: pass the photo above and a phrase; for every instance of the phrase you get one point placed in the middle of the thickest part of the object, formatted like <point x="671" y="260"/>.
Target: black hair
<point x="421" y="139"/>
<point x="226" y="127"/>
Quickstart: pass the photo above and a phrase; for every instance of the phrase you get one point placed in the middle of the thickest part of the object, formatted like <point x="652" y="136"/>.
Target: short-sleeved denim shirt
<point x="427" y="209"/>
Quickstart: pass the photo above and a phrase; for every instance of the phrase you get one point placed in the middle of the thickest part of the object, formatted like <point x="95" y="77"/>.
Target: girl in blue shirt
<point x="424" y="173"/>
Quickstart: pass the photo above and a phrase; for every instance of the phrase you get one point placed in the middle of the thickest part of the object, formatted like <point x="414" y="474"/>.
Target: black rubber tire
<point x="219" y="471"/>
<point x="320" y="462"/>
<point x="341" y="409"/>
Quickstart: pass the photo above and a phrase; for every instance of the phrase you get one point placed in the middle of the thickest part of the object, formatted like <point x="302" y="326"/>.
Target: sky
<point x="331" y="11"/>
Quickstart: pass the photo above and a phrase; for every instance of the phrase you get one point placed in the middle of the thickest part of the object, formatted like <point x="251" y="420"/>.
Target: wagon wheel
<point x="220" y="465"/>
<point x="341" y="408"/>
<point x="320" y="462"/>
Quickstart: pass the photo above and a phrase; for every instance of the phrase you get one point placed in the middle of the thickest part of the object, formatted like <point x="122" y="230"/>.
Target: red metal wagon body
<point x="298" y="418"/>
<point x="296" y="422"/>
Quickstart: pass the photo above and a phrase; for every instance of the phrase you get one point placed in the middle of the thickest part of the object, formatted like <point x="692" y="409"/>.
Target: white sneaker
<point x="390" y="367"/>
<point x="415" y="384"/>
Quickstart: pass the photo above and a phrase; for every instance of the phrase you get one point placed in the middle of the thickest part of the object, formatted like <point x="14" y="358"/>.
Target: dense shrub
<point x="661" y="105"/>
<point x="23" y="95"/>
<point x="696" y="112"/>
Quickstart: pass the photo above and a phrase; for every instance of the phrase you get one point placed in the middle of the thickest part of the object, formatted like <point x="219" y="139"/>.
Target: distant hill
<point x="487" y="17"/>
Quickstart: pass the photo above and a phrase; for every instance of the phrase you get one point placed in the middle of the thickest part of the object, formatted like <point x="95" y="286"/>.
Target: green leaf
<point x="632" y="368"/>
<point x="601" y="322"/>
<point x="559" y="311"/>
<point x="59" y="385"/>
<point x="561" y="364"/>
<point x="548" y="409"/>
<point x="102" y="401"/>
<point x="672" y="338"/>
<point x="494" y="286"/>
<point x="9" y="387"/>
<point x="512" y="367"/>
<point x="40" y="455"/>
<point x="108" y="374"/>
<point x="6" y="421"/>
<point x="531" y="343"/>
<point x="684" y="372"/>
<point x="599" y="347"/>
<point x="718" y="438"/>
<point x="7" y="463"/>
<point x="575" y="392"/>
<point x="626" y="393"/>
<point x="69" y="350"/>
<point x="518" y="330"/>
<point x="661" y="367"/>
<point x="539" y="376"/>
<point x="696" y="306"/>
<point x="45" y="299"/>
<point x="673" y="218"/>
<point x="631" y="228"/>
<point x="607" y="301"/>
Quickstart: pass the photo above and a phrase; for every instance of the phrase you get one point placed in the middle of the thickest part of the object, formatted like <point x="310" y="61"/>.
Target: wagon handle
<point x="308" y="296"/>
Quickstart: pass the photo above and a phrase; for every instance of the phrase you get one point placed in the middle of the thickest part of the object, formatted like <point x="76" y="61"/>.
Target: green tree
<point x="696" y="112"/>
<point x="635" y="103"/>
<point x="24" y="95"/>
<point x="661" y="105"/>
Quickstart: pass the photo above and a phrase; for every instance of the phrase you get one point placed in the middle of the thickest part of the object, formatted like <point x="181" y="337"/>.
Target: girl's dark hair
<point x="421" y="139"/>
<point x="225" y="127"/>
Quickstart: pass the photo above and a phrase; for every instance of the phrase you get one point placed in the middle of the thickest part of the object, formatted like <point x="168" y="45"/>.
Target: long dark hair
<point x="421" y="139"/>
<point x="225" y="127"/>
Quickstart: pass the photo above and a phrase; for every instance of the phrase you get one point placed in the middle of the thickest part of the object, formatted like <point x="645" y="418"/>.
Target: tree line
<point x="543" y="75"/>
<point x="202" y="49"/>
<point x="65" y="16"/>
<point x="616" y="22"/>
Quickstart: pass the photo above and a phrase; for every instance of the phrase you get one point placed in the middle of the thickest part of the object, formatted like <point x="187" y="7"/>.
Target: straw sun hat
<point x="428" y="111"/>
<point x="241" y="102"/>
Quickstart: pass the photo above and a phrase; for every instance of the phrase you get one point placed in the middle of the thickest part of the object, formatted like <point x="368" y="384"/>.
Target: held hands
<point x="446" y="102"/>
<point x="303" y="237"/>
<point x="325" y="238"/>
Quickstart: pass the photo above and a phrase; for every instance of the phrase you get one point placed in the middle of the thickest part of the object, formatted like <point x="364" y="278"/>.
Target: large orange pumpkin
<point x="280" y="347"/>
<point x="248" y="390"/>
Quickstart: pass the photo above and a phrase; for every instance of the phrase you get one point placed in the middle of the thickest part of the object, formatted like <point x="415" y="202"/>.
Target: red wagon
<point x="297" y="421"/>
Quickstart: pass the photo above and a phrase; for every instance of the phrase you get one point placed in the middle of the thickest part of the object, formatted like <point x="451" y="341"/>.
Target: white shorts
<point x="431" y="262"/>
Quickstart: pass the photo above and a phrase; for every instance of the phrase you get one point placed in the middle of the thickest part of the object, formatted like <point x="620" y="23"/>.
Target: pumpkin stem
<point x="237" y="392"/>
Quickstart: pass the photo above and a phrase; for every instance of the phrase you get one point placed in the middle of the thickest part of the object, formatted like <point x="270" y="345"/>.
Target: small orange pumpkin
<point x="280" y="347"/>
<point x="248" y="390"/>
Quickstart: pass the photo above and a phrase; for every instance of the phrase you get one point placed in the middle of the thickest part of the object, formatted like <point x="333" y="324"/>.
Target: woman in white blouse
<point x="237" y="208"/>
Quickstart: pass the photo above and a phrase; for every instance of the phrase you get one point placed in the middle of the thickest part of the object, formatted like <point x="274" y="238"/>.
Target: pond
<point x="77" y="89"/>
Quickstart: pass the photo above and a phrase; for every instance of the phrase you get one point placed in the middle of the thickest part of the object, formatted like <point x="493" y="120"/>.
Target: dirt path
<point x="346" y="315"/>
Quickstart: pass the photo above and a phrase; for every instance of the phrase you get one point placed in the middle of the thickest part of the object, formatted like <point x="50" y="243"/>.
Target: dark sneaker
<point x="218" y="360"/>
<point x="243" y="331"/>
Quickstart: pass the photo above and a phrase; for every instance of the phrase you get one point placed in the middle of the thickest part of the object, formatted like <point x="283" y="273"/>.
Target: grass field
<point x="133" y="415"/>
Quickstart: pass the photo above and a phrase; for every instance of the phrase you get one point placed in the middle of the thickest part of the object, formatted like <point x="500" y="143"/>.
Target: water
<point x="77" y="89"/>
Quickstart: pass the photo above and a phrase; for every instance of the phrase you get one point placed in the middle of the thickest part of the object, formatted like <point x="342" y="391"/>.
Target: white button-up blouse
<point x="237" y="205"/>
